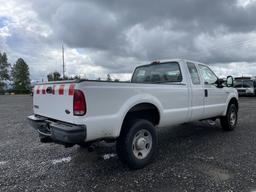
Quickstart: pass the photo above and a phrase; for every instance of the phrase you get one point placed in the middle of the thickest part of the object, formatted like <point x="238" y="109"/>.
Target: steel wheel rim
<point x="233" y="117"/>
<point x="142" y="144"/>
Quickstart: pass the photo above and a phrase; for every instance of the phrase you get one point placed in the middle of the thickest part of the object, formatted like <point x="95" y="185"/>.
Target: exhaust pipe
<point x="92" y="147"/>
<point x="46" y="140"/>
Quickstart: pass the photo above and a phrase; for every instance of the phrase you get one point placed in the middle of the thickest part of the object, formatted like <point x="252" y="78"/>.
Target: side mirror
<point x="219" y="83"/>
<point x="230" y="81"/>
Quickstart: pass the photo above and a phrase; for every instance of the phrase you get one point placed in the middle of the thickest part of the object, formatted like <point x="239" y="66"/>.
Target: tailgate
<point x="55" y="101"/>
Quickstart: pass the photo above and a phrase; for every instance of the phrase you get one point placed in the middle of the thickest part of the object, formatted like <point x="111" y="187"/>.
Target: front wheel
<point x="137" y="143"/>
<point x="229" y="121"/>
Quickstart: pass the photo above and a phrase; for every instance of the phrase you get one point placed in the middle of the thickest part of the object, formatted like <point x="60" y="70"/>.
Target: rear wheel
<point x="137" y="143"/>
<point x="229" y="121"/>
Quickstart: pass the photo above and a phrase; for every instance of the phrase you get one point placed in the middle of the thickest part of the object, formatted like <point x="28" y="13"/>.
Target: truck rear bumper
<point x="58" y="131"/>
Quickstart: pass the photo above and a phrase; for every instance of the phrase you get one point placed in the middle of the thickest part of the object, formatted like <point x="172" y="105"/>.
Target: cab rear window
<point x="158" y="73"/>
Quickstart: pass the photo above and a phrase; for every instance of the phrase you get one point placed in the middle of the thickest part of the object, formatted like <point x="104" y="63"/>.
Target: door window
<point x="193" y="73"/>
<point x="207" y="74"/>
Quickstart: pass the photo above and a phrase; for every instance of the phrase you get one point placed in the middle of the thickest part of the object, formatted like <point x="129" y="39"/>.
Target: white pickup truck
<point x="160" y="94"/>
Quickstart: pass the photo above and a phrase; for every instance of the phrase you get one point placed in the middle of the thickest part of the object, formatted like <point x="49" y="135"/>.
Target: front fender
<point x="232" y="94"/>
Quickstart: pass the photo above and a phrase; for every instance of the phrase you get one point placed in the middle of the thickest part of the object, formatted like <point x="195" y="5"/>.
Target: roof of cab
<point x="179" y="60"/>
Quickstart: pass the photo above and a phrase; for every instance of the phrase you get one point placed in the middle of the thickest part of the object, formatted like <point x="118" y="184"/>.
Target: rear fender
<point x="135" y="100"/>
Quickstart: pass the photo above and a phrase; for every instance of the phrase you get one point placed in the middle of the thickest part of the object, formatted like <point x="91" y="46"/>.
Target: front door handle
<point x="206" y="93"/>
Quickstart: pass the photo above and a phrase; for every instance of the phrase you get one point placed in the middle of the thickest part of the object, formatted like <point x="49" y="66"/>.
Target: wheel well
<point x="146" y="111"/>
<point x="234" y="101"/>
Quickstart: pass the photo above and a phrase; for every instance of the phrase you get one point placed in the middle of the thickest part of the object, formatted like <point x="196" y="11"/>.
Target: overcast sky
<point x="114" y="36"/>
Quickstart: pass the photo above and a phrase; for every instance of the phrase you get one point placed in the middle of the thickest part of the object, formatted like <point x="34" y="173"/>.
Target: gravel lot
<point x="191" y="157"/>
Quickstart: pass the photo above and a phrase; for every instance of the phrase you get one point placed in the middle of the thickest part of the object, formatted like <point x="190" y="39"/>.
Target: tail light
<point x="79" y="104"/>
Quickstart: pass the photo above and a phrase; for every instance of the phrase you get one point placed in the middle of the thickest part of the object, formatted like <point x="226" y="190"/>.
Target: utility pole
<point x="63" y="63"/>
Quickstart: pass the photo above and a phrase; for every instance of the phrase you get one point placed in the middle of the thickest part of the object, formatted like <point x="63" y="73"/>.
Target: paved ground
<point x="192" y="157"/>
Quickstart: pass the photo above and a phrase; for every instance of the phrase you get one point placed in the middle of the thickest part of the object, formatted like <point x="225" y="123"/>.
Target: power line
<point x="63" y="63"/>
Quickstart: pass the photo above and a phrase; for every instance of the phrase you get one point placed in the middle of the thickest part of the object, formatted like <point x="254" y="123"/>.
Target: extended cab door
<point x="197" y="93"/>
<point x="214" y="97"/>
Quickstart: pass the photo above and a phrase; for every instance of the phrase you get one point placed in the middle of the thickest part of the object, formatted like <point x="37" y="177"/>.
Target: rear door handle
<point x="206" y="93"/>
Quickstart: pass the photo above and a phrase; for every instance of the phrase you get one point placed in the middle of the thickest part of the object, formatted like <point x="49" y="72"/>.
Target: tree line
<point x="14" y="78"/>
<point x="56" y="76"/>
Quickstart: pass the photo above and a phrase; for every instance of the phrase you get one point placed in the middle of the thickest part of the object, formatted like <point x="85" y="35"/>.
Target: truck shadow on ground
<point x="189" y="151"/>
<point x="172" y="141"/>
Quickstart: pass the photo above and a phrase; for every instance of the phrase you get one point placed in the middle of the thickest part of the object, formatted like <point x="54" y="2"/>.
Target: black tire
<point x="229" y="122"/>
<point x="139" y="131"/>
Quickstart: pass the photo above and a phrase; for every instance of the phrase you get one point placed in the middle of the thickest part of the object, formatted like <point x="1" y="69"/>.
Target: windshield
<point x="157" y="73"/>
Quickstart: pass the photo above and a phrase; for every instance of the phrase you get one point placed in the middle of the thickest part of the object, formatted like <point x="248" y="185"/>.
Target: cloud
<point x="237" y="69"/>
<point x="102" y="37"/>
<point x="83" y="24"/>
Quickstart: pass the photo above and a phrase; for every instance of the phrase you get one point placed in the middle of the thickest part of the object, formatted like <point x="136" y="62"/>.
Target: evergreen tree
<point x="4" y="70"/>
<point x="55" y="76"/>
<point x="77" y="77"/>
<point x="109" y="77"/>
<point x="20" y="76"/>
